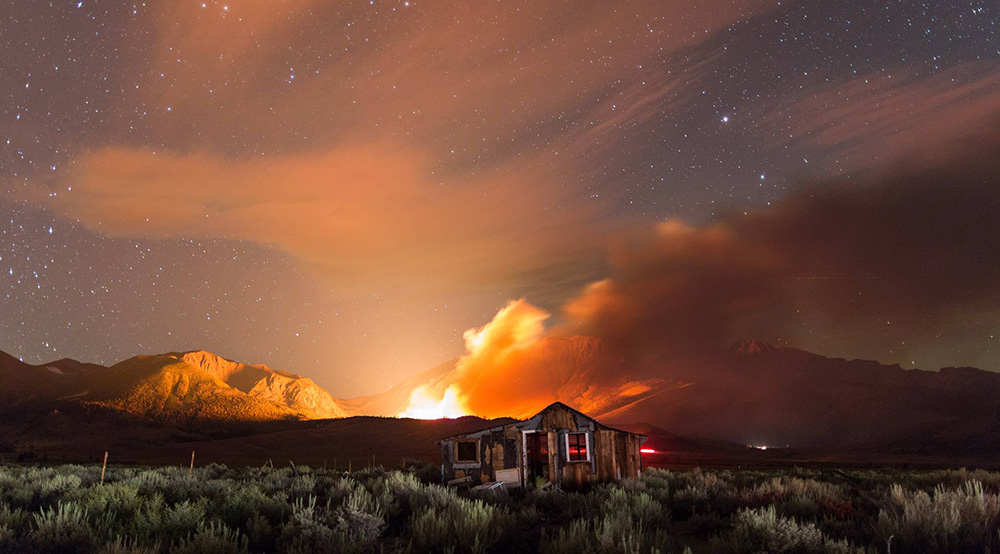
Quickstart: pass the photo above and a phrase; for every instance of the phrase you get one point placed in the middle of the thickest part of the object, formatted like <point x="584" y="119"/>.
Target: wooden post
<point x="191" y="469"/>
<point x="104" y="467"/>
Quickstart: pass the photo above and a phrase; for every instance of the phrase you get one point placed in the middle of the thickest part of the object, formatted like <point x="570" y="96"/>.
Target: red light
<point x="647" y="451"/>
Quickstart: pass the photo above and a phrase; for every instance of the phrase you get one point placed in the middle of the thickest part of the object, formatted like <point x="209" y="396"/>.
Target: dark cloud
<point x="911" y="250"/>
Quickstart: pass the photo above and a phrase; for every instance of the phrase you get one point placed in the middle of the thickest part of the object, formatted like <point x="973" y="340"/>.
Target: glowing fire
<point x="489" y="350"/>
<point x="423" y="404"/>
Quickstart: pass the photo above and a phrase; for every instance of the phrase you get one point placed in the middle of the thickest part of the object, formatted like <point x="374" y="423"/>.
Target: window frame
<point x="474" y="442"/>
<point x="586" y="445"/>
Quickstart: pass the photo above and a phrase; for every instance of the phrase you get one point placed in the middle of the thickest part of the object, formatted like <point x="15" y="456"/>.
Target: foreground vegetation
<point x="302" y="510"/>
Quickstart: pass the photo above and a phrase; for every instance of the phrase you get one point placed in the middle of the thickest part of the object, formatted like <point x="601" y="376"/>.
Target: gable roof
<point x="551" y="406"/>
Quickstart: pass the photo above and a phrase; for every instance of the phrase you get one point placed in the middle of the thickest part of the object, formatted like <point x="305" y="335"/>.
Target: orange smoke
<point x="513" y="367"/>
<point x="485" y="380"/>
<point x="424" y="405"/>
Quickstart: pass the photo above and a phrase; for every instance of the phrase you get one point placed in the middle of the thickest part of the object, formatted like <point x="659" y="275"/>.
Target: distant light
<point x="725" y="119"/>
<point x="647" y="451"/>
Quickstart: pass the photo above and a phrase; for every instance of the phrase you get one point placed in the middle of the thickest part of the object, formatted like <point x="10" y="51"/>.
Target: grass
<point x="304" y="510"/>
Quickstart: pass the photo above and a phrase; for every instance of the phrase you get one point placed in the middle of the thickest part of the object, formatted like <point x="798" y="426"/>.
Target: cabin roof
<point x="553" y="405"/>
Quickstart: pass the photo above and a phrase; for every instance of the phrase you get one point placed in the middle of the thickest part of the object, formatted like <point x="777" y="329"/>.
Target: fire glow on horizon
<point x="516" y="327"/>
<point x="423" y="405"/>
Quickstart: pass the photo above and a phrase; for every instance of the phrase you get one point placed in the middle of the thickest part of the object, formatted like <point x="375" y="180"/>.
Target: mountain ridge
<point x="750" y="393"/>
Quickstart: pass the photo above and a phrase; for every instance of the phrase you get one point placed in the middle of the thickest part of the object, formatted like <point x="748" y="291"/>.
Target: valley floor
<point x="299" y="509"/>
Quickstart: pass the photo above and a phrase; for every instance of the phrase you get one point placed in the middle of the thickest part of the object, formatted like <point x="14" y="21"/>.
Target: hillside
<point x="178" y="386"/>
<point x="755" y="393"/>
<point x="750" y="393"/>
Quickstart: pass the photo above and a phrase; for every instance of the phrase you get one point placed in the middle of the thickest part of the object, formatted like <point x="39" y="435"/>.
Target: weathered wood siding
<point x="558" y="418"/>
<point x="612" y="454"/>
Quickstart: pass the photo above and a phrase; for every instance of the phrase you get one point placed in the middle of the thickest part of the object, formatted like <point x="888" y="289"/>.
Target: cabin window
<point x="576" y="446"/>
<point x="467" y="451"/>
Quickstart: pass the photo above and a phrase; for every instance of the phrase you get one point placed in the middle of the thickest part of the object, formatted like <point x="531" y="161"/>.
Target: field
<point x="303" y="510"/>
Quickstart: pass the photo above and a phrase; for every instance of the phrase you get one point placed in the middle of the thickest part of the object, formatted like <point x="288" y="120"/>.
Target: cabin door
<point x="538" y="457"/>
<point x="621" y="456"/>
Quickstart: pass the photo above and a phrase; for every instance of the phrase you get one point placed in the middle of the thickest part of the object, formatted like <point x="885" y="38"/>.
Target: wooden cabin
<point x="558" y="444"/>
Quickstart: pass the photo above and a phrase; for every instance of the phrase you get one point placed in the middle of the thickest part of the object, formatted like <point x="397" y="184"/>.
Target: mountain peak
<point x="752" y="347"/>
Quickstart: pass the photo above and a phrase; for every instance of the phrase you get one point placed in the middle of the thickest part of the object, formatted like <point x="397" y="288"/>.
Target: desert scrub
<point x="62" y="528"/>
<point x="163" y="510"/>
<point x="464" y="525"/>
<point x="624" y="521"/>
<point x="247" y="501"/>
<point x="214" y="538"/>
<point x="705" y="493"/>
<point x="763" y="530"/>
<point x="354" y="526"/>
<point x="610" y="534"/>
<point x="963" y="519"/>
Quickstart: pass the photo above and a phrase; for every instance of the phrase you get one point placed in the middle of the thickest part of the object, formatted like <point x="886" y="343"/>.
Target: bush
<point x="212" y="539"/>
<point x="608" y="534"/>
<point x="353" y="526"/>
<point x="462" y="526"/>
<point x="948" y="520"/>
<point x="63" y="528"/>
<point x="763" y="530"/>
<point x="163" y="510"/>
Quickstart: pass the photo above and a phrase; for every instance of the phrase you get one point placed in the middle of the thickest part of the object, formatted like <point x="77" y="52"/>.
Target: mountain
<point x="757" y="393"/>
<point x="177" y="386"/>
<point x="576" y="369"/>
<point x="25" y="386"/>
<point x="395" y="400"/>
<point x="751" y="393"/>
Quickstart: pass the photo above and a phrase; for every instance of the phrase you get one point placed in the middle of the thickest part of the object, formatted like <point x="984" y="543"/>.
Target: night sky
<point x="340" y="189"/>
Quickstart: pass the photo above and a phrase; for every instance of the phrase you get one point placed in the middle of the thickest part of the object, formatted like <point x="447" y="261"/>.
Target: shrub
<point x="352" y="527"/>
<point x="609" y="534"/>
<point x="123" y="545"/>
<point x="62" y="528"/>
<point x="179" y="521"/>
<point x="948" y="520"/>
<point x="462" y="526"/>
<point x="212" y="539"/>
<point x="248" y="501"/>
<point x="763" y="530"/>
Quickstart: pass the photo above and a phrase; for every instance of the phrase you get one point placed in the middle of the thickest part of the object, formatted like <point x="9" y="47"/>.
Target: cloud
<point x="900" y="256"/>
<point x="363" y="214"/>
<point x="513" y="367"/>
<point x="427" y="71"/>
<point x="873" y="118"/>
<point x="405" y="153"/>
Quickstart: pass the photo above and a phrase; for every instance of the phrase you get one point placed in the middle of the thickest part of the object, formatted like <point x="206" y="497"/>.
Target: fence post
<point x="191" y="469"/>
<point x="104" y="466"/>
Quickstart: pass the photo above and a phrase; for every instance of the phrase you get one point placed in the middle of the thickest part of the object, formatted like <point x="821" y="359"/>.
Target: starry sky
<point x="341" y="188"/>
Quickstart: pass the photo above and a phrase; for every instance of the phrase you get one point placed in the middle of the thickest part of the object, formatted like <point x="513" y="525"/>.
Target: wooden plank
<point x="576" y="474"/>
<point x="558" y="418"/>
<point x="606" y="453"/>
<point x="497" y="457"/>
<point x="554" y="473"/>
<point x="510" y="453"/>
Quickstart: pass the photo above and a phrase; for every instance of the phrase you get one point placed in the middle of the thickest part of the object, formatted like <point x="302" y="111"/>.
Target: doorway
<point x="537" y="450"/>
